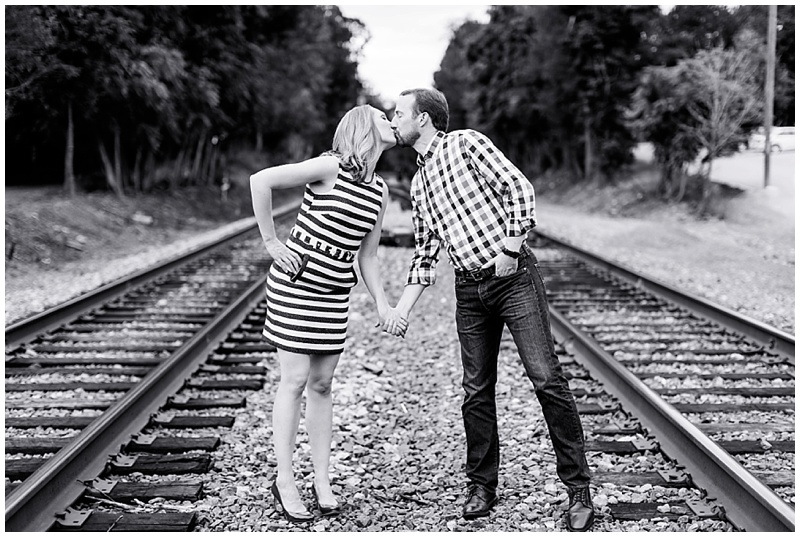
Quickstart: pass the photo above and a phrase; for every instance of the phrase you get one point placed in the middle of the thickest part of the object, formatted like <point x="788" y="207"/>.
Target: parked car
<point x="780" y="139"/>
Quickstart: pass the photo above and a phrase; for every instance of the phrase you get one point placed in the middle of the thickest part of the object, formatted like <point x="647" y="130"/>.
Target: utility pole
<point x="769" y="90"/>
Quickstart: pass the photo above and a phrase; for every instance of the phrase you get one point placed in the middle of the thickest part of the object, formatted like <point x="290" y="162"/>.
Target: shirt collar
<point x="431" y="149"/>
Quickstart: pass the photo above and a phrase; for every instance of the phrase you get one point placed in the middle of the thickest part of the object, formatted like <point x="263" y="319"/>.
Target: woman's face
<point x="384" y="128"/>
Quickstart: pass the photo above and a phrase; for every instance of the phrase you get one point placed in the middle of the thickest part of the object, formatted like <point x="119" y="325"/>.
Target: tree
<point x="726" y="99"/>
<point x="658" y="114"/>
<point x="454" y="77"/>
<point x="704" y="106"/>
<point x="603" y="45"/>
<point x="754" y="18"/>
<point x="688" y="29"/>
<point x="146" y="95"/>
<point x="550" y="83"/>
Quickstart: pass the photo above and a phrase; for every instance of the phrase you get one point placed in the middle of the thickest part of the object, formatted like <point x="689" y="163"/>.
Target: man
<point x="470" y="198"/>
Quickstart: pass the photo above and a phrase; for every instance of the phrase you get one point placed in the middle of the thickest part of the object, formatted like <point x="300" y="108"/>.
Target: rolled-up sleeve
<point x="426" y="250"/>
<point x="505" y="178"/>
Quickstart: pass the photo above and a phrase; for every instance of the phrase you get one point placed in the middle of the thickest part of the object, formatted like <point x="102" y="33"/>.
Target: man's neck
<point x="421" y="145"/>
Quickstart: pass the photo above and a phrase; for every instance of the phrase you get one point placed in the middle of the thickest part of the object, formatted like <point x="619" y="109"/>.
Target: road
<point x="745" y="171"/>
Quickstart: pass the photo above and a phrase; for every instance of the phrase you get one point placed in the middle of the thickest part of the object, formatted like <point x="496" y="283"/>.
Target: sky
<point x="407" y="43"/>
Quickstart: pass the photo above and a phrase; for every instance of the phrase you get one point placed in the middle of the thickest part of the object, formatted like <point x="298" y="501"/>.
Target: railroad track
<point x="83" y="377"/>
<point x="637" y="435"/>
<point x="714" y="389"/>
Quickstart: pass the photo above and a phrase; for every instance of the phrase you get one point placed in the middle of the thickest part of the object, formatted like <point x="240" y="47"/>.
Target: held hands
<point x="392" y="322"/>
<point x="282" y="256"/>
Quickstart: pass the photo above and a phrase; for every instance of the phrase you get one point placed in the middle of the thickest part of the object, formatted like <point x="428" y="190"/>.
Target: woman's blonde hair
<point x="357" y="144"/>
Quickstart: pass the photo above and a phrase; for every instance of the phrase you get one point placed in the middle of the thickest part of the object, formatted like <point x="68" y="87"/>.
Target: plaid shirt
<point x="469" y="196"/>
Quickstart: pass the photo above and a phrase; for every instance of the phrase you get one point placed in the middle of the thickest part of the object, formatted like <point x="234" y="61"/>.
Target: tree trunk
<point x="664" y="187"/>
<point x="149" y="172"/>
<point x="588" y="165"/>
<point x="684" y="180"/>
<point x="259" y="141"/>
<point x="197" y="165"/>
<point x="69" y="156"/>
<point x="177" y="173"/>
<point x="708" y="192"/>
<point x="108" y="168"/>
<point x="136" y="178"/>
<point x="212" y="165"/>
<point x="118" y="157"/>
<point x="571" y="162"/>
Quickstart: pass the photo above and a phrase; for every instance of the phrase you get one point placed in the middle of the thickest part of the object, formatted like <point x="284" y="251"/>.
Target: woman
<point x="309" y="285"/>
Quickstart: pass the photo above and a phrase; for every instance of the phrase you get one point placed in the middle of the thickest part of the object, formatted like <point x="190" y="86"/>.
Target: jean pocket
<point x="522" y="268"/>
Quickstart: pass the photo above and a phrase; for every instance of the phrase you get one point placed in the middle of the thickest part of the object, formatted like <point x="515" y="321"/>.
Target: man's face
<point x="404" y="124"/>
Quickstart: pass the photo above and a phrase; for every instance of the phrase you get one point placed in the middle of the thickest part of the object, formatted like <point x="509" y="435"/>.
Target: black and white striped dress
<point x="309" y="315"/>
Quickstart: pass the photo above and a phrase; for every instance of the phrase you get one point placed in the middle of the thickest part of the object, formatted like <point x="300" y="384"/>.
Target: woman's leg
<point x="285" y="421"/>
<point x="319" y="422"/>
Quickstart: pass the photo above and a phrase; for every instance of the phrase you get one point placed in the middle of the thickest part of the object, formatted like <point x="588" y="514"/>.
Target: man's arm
<point x="409" y="298"/>
<point x="422" y="272"/>
<point x="505" y="178"/>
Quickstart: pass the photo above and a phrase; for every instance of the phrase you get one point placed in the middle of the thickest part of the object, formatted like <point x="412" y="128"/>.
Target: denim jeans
<point x="482" y="310"/>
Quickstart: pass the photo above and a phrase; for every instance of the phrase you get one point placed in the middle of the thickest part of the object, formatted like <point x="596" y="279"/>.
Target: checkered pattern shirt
<point x="468" y="196"/>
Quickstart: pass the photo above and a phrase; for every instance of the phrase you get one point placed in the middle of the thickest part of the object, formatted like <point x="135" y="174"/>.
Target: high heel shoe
<point x="291" y="517"/>
<point x="324" y="509"/>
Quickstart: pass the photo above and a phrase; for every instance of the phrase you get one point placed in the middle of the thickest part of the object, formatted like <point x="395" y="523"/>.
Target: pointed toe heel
<point x="291" y="517"/>
<point x="326" y="510"/>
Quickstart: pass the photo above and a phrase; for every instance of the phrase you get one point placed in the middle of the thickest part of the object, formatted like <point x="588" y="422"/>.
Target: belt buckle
<point x="477" y="275"/>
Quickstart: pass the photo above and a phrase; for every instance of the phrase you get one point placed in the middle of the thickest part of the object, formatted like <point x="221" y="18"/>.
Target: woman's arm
<point x="317" y="170"/>
<point x="371" y="275"/>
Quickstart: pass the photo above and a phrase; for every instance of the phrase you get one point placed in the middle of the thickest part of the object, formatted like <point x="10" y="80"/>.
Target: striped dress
<point x="308" y="314"/>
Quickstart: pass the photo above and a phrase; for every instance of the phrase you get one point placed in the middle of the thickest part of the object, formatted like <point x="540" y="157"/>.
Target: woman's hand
<point x="282" y="256"/>
<point x="393" y="323"/>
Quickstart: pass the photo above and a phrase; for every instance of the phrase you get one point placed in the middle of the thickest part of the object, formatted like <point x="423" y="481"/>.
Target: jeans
<point x="483" y="308"/>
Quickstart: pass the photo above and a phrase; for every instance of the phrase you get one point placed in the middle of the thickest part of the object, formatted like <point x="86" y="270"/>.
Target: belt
<point x="488" y="272"/>
<point x="476" y="275"/>
<point x="321" y="246"/>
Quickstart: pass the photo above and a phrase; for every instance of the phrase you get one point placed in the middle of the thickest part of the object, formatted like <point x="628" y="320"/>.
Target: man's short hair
<point x="434" y="103"/>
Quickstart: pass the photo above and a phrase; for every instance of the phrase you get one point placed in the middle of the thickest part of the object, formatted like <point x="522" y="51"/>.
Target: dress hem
<point x="298" y="350"/>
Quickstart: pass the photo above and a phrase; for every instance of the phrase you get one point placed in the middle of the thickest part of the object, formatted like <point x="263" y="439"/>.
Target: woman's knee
<point x="320" y="385"/>
<point x="294" y="381"/>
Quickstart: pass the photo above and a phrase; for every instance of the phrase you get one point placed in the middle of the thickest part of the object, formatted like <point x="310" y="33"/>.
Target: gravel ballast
<point x="398" y="443"/>
<point x="400" y="432"/>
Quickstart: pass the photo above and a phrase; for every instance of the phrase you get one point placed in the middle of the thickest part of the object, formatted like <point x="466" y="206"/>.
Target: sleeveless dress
<point x="308" y="314"/>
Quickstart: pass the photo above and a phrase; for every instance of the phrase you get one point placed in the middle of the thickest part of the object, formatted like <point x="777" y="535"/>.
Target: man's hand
<point x="503" y="264"/>
<point x="393" y="323"/>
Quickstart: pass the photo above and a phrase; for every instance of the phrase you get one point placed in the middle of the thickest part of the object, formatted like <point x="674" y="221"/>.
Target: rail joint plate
<point x="73" y="518"/>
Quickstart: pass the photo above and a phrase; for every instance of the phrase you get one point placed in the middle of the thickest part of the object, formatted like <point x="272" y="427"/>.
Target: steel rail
<point x="770" y="337"/>
<point x="59" y="482"/>
<point x="28" y="329"/>
<point x="752" y="505"/>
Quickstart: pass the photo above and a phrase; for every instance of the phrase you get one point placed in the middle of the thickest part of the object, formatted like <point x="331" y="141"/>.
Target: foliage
<point x="549" y="83"/>
<point x="703" y="106"/>
<point x="571" y="89"/>
<point x="134" y="97"/>
<point x="161" y="93"/>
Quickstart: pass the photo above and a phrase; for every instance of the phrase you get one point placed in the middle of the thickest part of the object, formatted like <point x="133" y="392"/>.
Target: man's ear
<point x="423" y="120"/>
